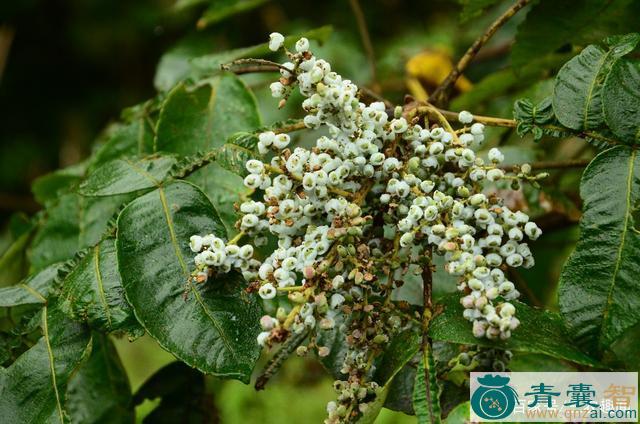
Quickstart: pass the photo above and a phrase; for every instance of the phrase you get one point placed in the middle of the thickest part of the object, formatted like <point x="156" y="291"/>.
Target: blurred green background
<point x="68" y="68"/>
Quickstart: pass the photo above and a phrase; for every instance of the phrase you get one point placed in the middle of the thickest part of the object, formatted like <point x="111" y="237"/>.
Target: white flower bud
<point x="267" y="291"/>
<point x="465" y="117"/>
<point x="276" y="40"/>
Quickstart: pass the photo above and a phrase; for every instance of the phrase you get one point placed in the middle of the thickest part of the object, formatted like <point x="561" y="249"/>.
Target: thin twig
<point x="571" y="163"/>
<point x="278" y="359"/>
<point x="487" y="120"/>
<point x="300" y="125"/>
<point x="256" y="65"/>
<point x="441" y="95"/>
<point x="366" y="38"/>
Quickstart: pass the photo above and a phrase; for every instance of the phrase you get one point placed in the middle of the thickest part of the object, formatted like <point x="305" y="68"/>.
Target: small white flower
<point x="465" y="117"/>
<point x="275" y="41"/>
<point x="495" y="174"/>
<point x="263" y="337"/>
<point x="495" y="155"/>
<point x="477" y="128"/>
<point x="302" y="45"/>
<point x="277" y="89"/>
<point x="336" y="300"/>
<point x="267" y="291"/>
<point x="281" y="141"/>
<point x="532" y="230"/>
<point x="195" y="243"/>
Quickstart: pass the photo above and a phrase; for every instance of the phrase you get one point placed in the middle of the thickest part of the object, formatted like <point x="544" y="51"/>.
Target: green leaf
<point x="400" y="397"/>
<point x="34" y="290"/>
<point x="474" y="8"/>
<point x="72" y="224"/>
<point x="578" y="91"/>
<point x="459" y="414"/>
<point x="200" y="118"/>
<point x="133" y="138"/>
<point x="401" y="348"/>
<point x="599" y="291"/>
<point x="238" y="149"/>
<point x="426" y="403"/>
<point x="48" y="187"/>
<point x="33" y="387"/>
<point x="539" y="332"/>
<point x="184" y="4"/>
<point x="205" y="65"/>
<point x="93" y="292"/>
<point x="621" y="99"/>
<point x="373" y="410"/>
<point x="196" y="119"/>
<point x="122" y="176"/>
<point x="531" y="117"/>
<point x="99" y="391"/>
<point x="14" y="264"/>
<point x="182" y="393"/>
<point x="222" y="9"/>
<point x="213" y="326"/>
<point x="174" y="65"/>
<point x="551" y="24"/>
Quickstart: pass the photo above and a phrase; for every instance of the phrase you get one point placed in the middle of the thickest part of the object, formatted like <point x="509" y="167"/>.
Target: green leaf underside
<point x="621" y="100"/>
<point x="34" y="290"/>
<point x="32" y="389"/>
<point x="122" y="176"/>
<point x="578" y="91"/>
<point x="539" y="332"/>
<point x="93" y="291"/>
<point x="421" y="403"/>
<point x="212" y="327"/>
<point x="99" y="392"/>
<point x="599" y="291"/>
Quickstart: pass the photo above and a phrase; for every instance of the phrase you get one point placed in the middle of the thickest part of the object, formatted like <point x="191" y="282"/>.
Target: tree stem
<point x="440" y="96"/>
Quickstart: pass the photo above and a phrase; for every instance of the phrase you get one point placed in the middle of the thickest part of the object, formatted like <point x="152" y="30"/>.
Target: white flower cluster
<point x="425" y="182"/>
<point x="213" y="254"/>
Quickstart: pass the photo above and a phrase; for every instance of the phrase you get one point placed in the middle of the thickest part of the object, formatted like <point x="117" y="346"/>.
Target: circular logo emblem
<point x="494" y="399"/>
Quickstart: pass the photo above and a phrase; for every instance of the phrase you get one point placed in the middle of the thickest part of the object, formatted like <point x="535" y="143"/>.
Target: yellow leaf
<point x="427" y="70"/>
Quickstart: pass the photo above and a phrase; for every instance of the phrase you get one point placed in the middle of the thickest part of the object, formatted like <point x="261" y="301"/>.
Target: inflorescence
<point x="376" y="196"/>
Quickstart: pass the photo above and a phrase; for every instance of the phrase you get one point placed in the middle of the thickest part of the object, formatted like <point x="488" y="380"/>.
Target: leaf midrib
<point x="101" y="293"/>
<point x="591" y="88"/>
<point x="45" y="330"/>
<point x="625" y="229"/>
<point x="185" y="272"/>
